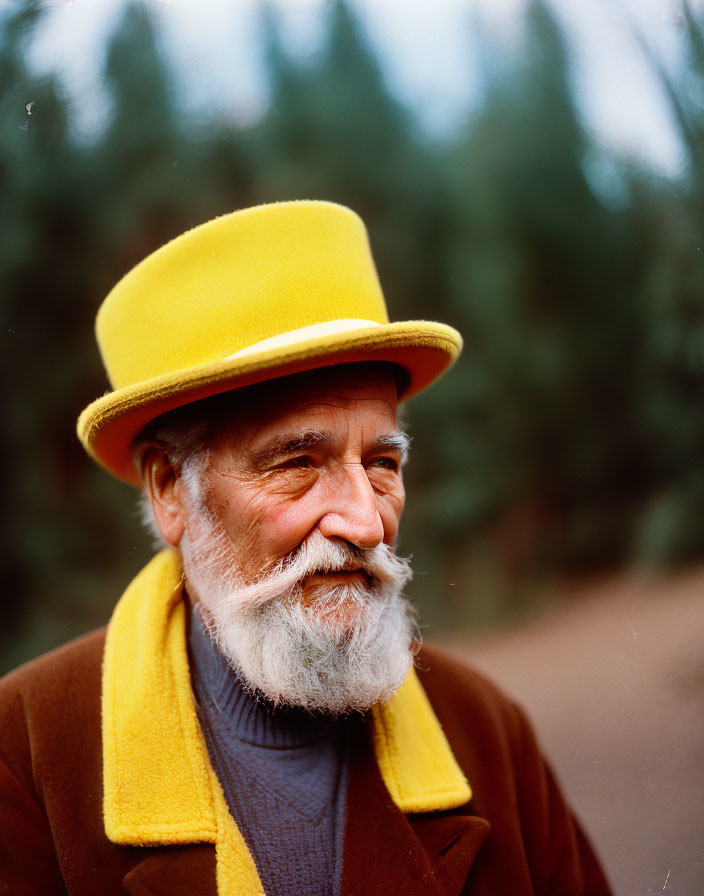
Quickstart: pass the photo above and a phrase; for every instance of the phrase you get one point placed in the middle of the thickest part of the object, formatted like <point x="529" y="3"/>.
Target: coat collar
<point x="159" y="786"/>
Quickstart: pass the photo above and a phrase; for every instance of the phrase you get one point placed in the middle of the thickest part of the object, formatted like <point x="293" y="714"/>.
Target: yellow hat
<point x="257" y="294"/>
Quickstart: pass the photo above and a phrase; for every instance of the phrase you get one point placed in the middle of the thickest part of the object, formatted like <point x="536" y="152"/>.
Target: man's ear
<point x="161" y="483"/>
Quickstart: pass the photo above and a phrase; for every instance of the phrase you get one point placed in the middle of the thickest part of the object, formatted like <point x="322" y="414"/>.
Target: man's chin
<point x="337" y="600"/>
<point x="336" y="659"/>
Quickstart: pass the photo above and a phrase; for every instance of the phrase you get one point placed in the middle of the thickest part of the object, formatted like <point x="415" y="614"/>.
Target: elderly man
<point x="259" y="717"/>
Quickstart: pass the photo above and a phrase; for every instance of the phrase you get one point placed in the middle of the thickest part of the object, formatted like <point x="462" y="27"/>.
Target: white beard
<point x="337" y="649"/>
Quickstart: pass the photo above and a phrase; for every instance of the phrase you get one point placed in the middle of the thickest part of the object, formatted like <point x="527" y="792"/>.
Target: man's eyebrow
<point x="397" y="441"/>
<point x="285" y="444"/>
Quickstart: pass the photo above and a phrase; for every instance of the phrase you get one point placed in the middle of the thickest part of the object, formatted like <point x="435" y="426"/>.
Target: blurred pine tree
<point x="670" y="217"/>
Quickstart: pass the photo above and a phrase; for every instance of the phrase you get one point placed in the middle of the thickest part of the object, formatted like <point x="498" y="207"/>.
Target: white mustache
<point x="319" y="555"/>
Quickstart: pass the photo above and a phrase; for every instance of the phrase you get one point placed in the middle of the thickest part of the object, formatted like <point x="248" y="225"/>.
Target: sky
<point x="426" y="49"/>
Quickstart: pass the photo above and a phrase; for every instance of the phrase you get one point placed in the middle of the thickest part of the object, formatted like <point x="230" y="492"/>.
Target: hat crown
<point x="261" y="293"/>
<point x="233" y="282"/>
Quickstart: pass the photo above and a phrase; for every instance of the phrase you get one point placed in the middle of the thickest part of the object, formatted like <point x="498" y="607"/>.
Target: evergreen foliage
<point x="570" y="435"/>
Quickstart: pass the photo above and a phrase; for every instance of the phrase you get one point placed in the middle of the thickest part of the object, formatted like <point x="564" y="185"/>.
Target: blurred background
<point x="530" y="172"/>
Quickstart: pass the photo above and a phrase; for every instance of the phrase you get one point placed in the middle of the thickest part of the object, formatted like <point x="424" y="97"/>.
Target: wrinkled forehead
<point x="371" y="388"/>
<point x="315" y="399"/>
<point x="339" y="386"/>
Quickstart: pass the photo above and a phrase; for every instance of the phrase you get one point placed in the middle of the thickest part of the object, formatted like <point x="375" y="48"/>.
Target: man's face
<point x="321" y="457"/>
<point x="288" y="541"/>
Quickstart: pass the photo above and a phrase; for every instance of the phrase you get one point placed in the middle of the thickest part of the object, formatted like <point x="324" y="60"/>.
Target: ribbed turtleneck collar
<point x="249" y="719"/>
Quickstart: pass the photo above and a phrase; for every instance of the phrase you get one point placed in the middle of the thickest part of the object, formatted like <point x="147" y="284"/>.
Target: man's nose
<point x="352" y="512"/>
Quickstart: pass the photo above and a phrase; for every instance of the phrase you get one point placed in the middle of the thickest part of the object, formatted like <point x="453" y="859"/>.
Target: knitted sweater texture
<point x="283" y="773"/>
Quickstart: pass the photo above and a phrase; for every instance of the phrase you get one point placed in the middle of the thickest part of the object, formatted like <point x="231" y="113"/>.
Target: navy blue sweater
<point x="283" y="772"/>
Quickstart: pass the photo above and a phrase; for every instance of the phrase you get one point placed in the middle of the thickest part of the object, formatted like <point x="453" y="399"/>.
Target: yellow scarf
<point x="160" y="787"/>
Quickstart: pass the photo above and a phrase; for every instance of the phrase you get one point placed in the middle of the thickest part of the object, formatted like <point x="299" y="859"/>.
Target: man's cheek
<point x="393" y="503"/>
<point x="285" y="528"/>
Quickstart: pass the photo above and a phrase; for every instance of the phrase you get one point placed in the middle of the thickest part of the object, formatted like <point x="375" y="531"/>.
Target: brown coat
<point x="515" y="837"/>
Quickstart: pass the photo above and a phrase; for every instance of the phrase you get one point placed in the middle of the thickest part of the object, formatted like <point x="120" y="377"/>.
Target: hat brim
<point x="107" y="427"/>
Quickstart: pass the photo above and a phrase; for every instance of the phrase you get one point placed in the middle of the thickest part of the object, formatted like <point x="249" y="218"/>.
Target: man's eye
<point x="297" y="463"/>
<point x="386" y="463"/>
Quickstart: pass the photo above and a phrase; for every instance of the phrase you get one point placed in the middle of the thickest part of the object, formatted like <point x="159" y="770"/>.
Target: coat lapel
<point x="413" y="754"/>
<point x="451" y="843"/>
<point x="174" y="871"/>
<point x="386" y="851"/>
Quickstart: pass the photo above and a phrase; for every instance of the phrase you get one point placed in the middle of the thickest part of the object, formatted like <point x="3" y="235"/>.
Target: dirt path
<point x="614" y="682"/>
